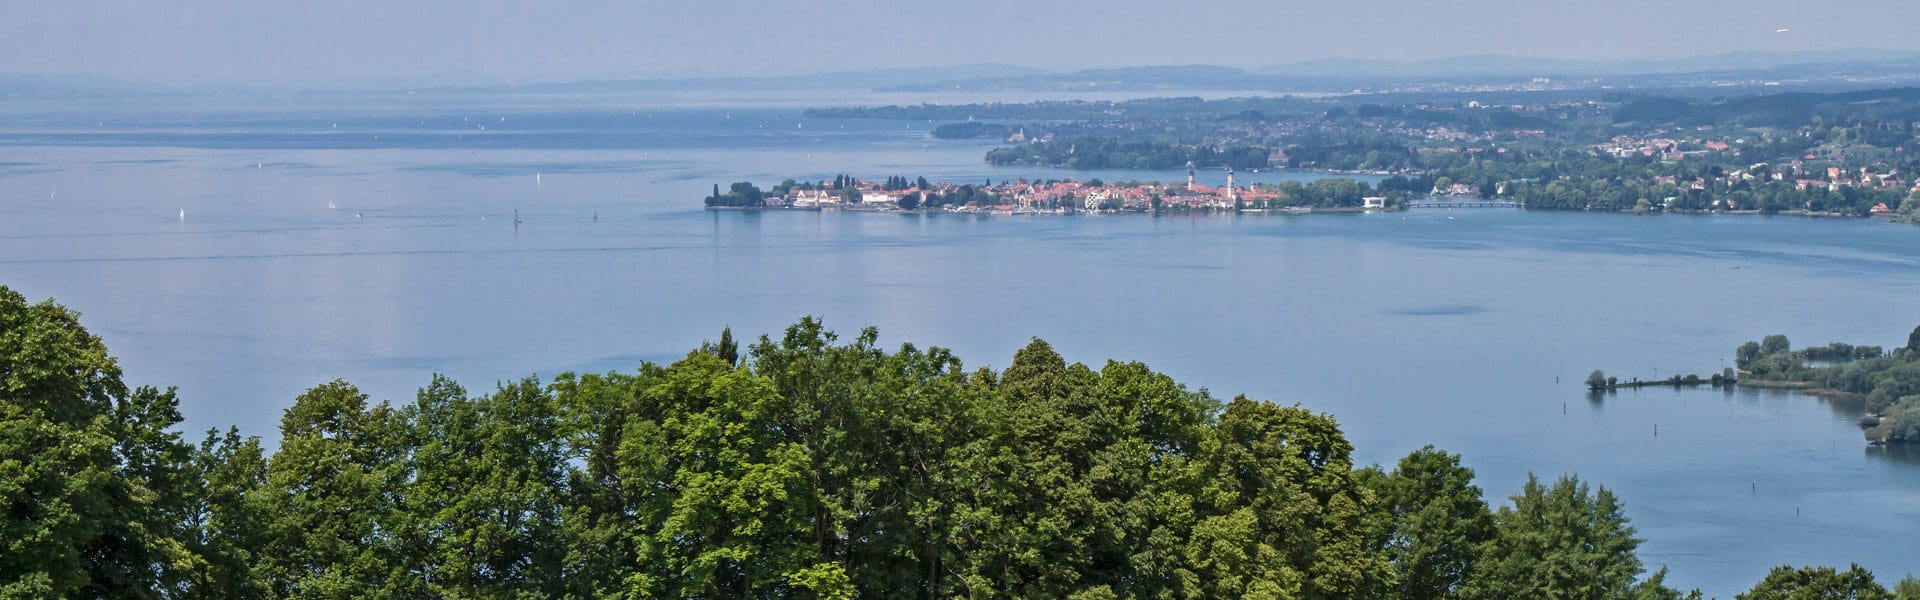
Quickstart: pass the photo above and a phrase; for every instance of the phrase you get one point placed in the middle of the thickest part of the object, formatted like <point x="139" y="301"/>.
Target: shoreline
<point x="1059" y="213"/>
<point x="1803" y="387"/>
<point x="1295" y="211"/>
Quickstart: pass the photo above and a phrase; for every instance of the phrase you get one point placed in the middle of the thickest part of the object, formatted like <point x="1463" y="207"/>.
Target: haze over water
<point x="1467" y="329"/>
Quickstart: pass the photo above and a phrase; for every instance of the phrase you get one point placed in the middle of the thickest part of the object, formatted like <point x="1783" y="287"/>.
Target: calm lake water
<point x="1467" y="329"/>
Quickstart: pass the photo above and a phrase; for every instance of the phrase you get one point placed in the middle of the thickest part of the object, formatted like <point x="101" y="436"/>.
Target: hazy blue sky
<point x="302" y="40"/>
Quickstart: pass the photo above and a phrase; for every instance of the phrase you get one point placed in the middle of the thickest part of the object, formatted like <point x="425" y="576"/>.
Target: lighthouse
<point x="1189" y="176"/>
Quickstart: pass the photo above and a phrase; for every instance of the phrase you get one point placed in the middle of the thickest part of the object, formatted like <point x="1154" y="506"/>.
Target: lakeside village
<point x="1019" y="196"/>
<point x="1789" y="186"/>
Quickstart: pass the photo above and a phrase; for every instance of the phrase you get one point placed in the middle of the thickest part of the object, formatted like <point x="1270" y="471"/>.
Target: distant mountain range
<point x="1335" y="75"/>
<point x="844" y="80"/>
<point x="1347" y="74"/>
<point x="1513" y="66"/>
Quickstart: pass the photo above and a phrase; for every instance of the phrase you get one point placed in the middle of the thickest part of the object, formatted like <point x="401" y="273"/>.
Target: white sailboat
<point x="330" y="206"/>
<point x="183" y="215"/>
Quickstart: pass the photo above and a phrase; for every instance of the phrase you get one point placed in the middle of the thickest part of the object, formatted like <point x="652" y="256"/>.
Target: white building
<point x="812" y="198"/>
<point x="879" y="197"/>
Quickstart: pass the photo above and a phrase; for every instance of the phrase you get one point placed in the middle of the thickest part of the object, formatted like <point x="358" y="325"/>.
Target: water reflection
<point x="1792" y="410"/>
<point x="1845" y="406"/>
<point x="1903" y="454"/>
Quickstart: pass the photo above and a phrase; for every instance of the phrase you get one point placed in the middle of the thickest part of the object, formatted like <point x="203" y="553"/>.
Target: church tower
<point x="1233" y="201"/>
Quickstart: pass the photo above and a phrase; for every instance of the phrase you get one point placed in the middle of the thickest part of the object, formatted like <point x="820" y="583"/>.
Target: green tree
<point x="1899" y="423"/>
<point x="153" y="521"/>
<point x="1817" y="583"/>
<point x="726" y="348"/>
<point x="1036" y="521"/>
<point x="1564" y="541"/>
<point x="1596" y="380"/>
<point x="332" y="491"/>
<point x="226" y="529"/>
<point x="1654" y="587"/>
<point x="1892" y="384"/>
<point x="1439" y="524"/>
<point x="1773" y="344"/>
<point x="718" y="495"/>
<point x="1279" y="513"/>
<point x="1907" y="589"/>
<point x="594" y="409"/>
<point x="1913" y="340"/>
<point x="882" y="431"/>
<point x="481" y="513"/>
<point x="90" y="473"/>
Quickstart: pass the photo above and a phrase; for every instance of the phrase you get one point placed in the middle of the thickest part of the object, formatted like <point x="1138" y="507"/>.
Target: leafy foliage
<point x="741" y="194"/>
<point x="1439" y="525"/>
<point x="1563" y="541"/>
<point x="804" y="467"/>
<point x="1889" y="383"/>
<point x="1817" y="583"/>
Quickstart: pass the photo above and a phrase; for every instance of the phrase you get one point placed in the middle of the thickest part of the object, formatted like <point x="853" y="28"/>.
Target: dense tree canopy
<point x="1438" y="525"/>
<point x="805" y="466"/>
<point x="1817" y="583"/>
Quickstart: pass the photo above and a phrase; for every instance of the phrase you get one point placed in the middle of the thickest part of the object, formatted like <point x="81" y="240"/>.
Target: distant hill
<point x="14" y="85"/>
<point x="1831" y="69"/>
<point x="1516" y="66"/>
<point x="870" y="79"/>
<point x="1336" y="75"/>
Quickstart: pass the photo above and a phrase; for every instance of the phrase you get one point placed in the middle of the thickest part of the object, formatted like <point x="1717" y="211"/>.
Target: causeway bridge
<point x="1460" y="203"/>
